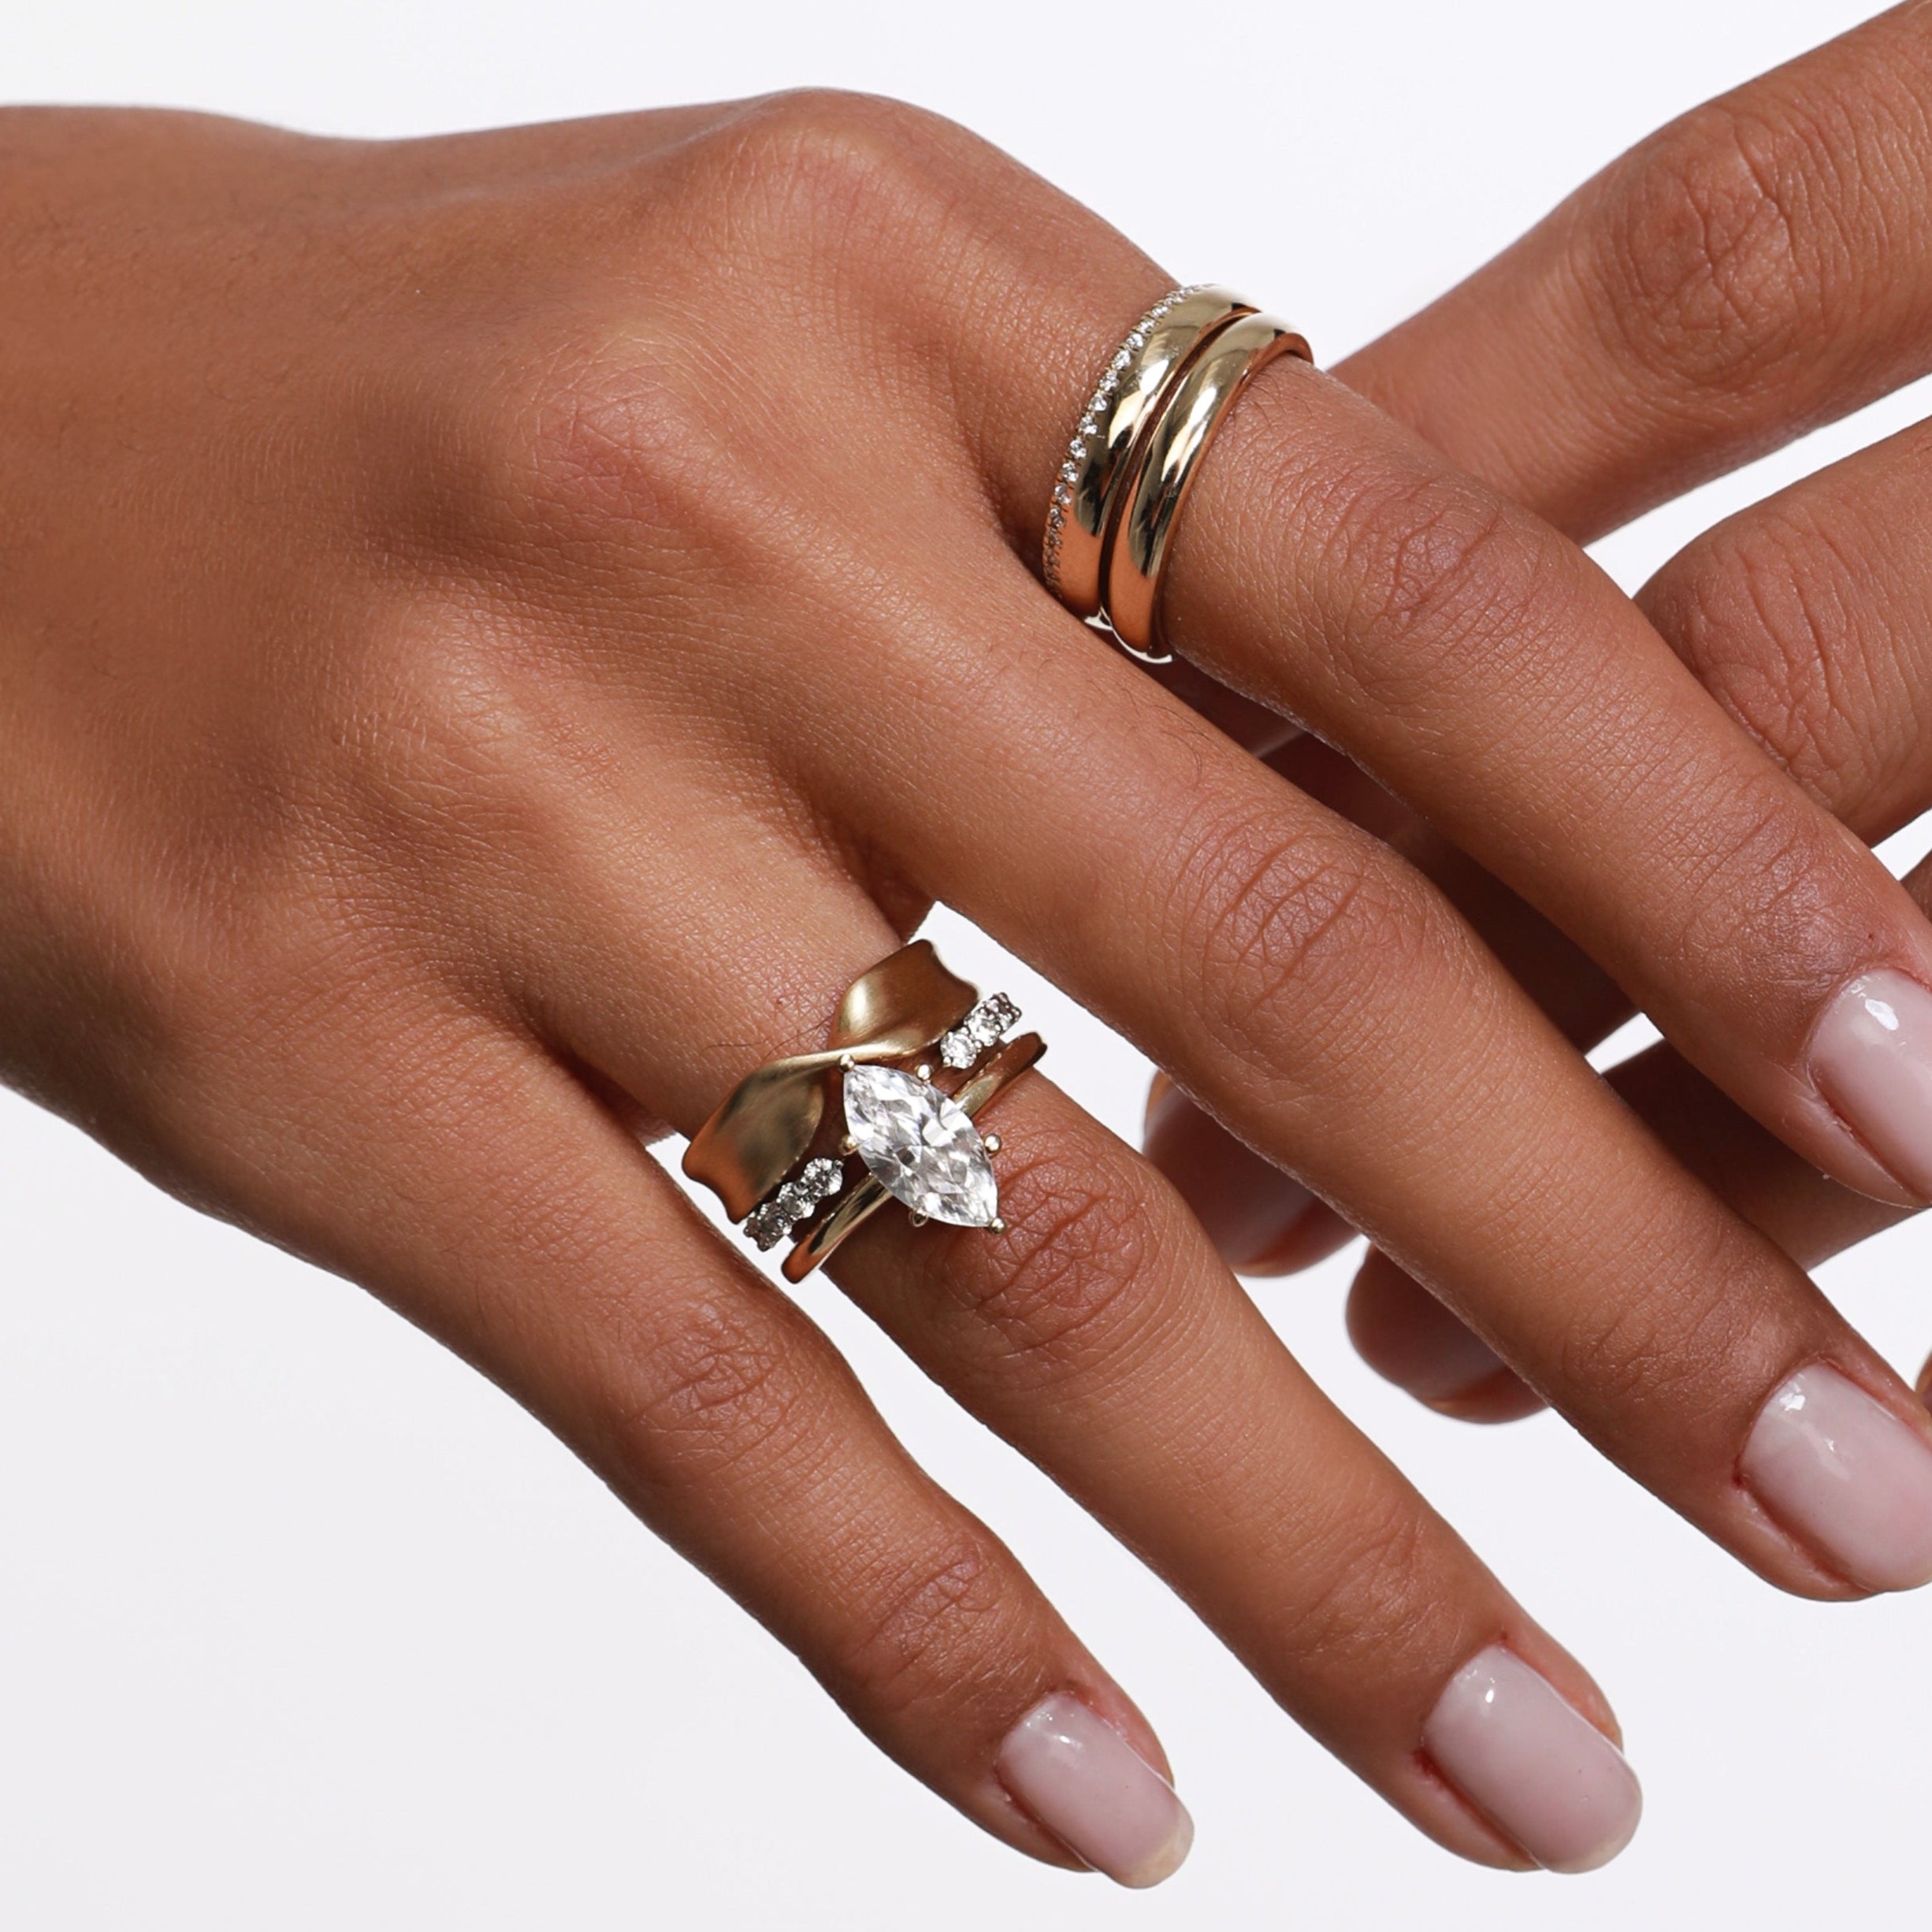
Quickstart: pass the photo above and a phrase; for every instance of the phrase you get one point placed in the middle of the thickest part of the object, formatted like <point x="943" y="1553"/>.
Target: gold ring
<point x="914" y="1054"/>
<point x="1087" y="494"/>
<point x="1166" y="463"/>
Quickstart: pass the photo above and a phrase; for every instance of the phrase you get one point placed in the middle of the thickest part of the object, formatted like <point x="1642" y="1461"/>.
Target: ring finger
<point x="1100" y="1333"/>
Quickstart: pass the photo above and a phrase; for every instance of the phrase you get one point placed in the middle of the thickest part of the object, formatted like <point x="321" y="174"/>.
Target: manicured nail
<point x="1847" y="1476"/>
<point x="1534" y="1766"/>
<point x="1094" y="1793"/>
<point x="1871" y="1057"/>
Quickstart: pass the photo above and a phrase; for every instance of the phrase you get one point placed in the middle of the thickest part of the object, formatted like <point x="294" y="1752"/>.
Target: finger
<point x="1408" y="1337"/>
<point x="1263" y="1222"/>
<point x="1807" y="617"/>
<point x="1312" y="991"/>
<point x="1404" y="1334"/>
<point x="1101" y="1335"/>
<point x="1804" y="615"/>
<point x="1754" y="269"/>
<point x="1501" y="686"/>
<point x="555" y="1257"/>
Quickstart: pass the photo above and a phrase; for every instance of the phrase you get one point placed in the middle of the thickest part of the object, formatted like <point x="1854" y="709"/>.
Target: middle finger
<point x="1329" y="1004"/>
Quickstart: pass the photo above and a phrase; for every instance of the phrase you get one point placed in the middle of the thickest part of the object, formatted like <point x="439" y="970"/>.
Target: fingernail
<point x="1094" y="1793"/>
<point x="1846" y="1475"/>
<point x="1871" y="1057"/>
<point x="1534" y="1764"/>
<point x="1248" y="1207"/>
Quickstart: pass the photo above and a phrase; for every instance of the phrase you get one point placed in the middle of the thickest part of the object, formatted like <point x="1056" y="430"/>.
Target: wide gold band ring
<point x="1098" y="469"/>
<point x="1133" y="456"/>
<point x="914" y="1054"/>
<point x="1166" y="464"/>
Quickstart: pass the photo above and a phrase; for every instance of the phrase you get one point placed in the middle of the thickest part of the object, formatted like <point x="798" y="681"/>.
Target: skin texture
<point x="497" y="631"/>
<point x="1744" y="275"/>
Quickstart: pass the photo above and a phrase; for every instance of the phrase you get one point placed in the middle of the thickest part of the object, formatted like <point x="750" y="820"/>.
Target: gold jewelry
<point x="1088" y="494"/>
<point x="767" y="1154"/>
<point x="1165" y="462"/>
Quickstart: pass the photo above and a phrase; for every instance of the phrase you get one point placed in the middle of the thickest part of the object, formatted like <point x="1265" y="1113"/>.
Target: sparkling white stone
<point x="921" y="1147"/>
<point x="818" y="1180"/>
<point x="978" y="1031"/>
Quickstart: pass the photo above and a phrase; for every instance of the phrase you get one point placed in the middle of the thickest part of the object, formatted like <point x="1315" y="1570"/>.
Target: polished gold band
<point x="1132" y="458"/>
<point x="1167" y="463"/>
<point x="1098" y="466"/>
<point x="914" y="1054"/>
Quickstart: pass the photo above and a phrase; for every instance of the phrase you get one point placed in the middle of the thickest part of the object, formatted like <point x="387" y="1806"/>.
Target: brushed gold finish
<point x="769" y="1119"/>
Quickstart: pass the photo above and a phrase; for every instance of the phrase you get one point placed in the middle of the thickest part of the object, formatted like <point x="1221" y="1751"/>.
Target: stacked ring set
<point x="810" y="1147"/>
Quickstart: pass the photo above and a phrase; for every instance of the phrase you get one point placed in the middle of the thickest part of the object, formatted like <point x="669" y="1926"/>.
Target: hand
<point x="497" y="632"/>
<point x="1754" y="270"/>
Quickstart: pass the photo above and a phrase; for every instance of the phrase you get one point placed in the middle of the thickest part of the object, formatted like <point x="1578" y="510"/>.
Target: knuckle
<point x="705" y="1391"/>
<point x="1724" y="244"/>
<point x="799" y="169"/>
<point x="1639" y="1365"/>
<point x="1282" y="923"/>
<point x="1448" y="582"/>
<point x="435" y="756"/>
<point x="1078" y="1235"/>
<point x="931" y="1624"/>
<point x="1771" y="879"/>
<point x="1379" y="1593"/>
<point x="587" y="437"/>
<point x="1776" y="646"/>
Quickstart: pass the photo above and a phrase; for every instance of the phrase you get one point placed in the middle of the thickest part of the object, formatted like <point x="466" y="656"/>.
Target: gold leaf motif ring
<point x="914" y="1053"/>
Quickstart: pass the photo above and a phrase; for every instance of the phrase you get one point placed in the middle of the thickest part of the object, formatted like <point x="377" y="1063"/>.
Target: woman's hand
<point x="496" y="632"/>
<point x="1756" y="268"/>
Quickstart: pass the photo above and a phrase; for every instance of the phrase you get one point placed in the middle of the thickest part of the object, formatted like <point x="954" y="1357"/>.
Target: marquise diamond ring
<point x="914" y="1054"/>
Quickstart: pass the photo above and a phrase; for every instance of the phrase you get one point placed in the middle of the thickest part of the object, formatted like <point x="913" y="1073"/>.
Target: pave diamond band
<point x="1139" y="396"/>
<point x="774" y="1218"/>
<point x="1085" y="493"/>
<point x="781" y="1154"/>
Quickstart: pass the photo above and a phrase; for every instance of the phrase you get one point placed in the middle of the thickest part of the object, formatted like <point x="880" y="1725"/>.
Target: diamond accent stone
<point x="817" y="1180"/>
<point x="921" y="1147"/>
<point x="1098" y="405"/>
<point x="978" y="1031"/>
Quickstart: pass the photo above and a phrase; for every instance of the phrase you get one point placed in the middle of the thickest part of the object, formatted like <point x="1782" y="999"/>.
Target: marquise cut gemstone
<point x="921" y="1147"/>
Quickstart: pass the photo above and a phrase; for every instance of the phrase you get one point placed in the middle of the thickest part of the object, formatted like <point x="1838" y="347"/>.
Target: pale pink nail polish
<point x="1094" y="1793"/>
<point x="1844" y="1474"/>
<point x="1532" y="1764"/>
<point x="1871" y="1057"/>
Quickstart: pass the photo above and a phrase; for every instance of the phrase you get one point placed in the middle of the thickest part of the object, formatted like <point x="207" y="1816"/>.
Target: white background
<point x="301" y="1626"/>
